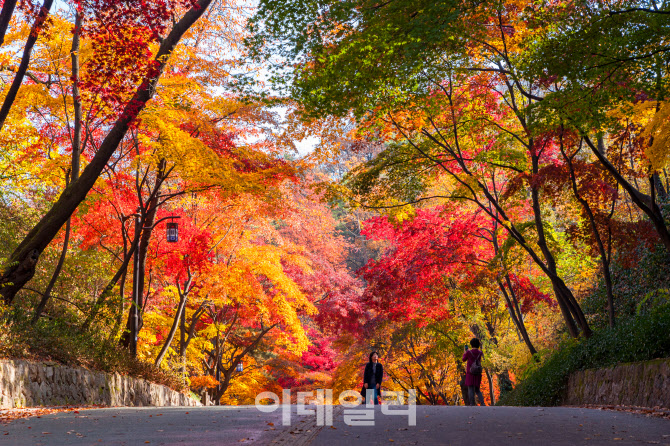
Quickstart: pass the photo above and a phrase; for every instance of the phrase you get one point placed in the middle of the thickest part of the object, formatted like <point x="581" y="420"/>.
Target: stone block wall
<point x="643" y="384"/>
<point x="26" y="384"/>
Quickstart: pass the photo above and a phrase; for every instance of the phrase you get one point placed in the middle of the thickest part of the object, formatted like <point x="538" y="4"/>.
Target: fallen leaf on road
<point x="648" y="411"/>
<point x="9" y="415"/>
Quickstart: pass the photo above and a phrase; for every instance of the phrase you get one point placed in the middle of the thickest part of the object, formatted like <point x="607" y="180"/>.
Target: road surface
<point x="435" y="425"/>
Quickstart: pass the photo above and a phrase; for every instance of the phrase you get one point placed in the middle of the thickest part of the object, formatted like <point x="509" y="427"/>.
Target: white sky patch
<point x="307" y="145"/>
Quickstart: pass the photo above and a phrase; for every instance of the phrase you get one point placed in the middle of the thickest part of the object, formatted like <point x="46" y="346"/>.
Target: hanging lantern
<point x="172" y="232"/>
<point x="239" y="367"/>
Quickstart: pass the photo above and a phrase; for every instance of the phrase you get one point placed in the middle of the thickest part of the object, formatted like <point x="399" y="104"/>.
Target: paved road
<point x="245" y="425"/>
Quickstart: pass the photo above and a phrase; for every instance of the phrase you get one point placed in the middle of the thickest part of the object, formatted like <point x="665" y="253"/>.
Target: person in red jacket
<point x="473" y="375"/>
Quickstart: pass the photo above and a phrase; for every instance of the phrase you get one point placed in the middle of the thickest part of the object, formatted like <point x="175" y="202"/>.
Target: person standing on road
<point x="473" y="372"/>
<point x="372" y="377"/>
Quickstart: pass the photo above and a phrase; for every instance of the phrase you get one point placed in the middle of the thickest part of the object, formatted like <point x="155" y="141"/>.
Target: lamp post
<point x="239" y="367"/>
<point x="172" y="235"/>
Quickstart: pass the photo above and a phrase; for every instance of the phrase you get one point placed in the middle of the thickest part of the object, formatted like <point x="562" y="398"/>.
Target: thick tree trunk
<point x="25" y="60"/>
<point x="5" y="16"/>
<point x="22" y="262"/>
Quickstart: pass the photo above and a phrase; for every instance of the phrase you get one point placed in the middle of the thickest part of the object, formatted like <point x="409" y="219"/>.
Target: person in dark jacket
<point x="372" y="377"/>
<point x="473" y="380"/>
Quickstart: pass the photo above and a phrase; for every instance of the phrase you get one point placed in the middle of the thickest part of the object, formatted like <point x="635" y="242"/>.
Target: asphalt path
<point x="435" y="425"/>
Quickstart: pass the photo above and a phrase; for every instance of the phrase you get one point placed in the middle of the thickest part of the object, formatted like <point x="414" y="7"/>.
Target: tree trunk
<point x="658" y="184"/>
<point x="504" y="383"/>
<point x="22" y="262"/>
<point x="5" y="16"/>
<point x="516" y="318"/>
<point x="147" y="218"/>
<point x="107" y="291"/>
<point x="234" y="360"/>
<point x="187" y="335"/>
<point x="145" y="229"/>
<point x="511" y="299"/>
<point x="645" y="203"/>
<point x="74" y="169"/>
<point x="604" y="258"/>
<point x="567" y="303"/>
<point x="25" y="60"/>
<point x="54" y="277"/>
<point x="570" y="308"/>
<point x="190" y="333"/>
<point x="179" y="311"/>
<point x="148" y="229"/>
<point x="491" y="392"/>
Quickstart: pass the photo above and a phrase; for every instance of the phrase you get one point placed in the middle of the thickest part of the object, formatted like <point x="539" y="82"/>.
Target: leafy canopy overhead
<point x="356" y="52"/>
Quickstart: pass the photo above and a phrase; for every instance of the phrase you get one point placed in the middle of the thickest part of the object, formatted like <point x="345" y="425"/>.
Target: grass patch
<point x="59" y="340"/>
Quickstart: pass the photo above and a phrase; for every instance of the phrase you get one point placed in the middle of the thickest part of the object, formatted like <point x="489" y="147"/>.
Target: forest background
<point x="494" y="169"/>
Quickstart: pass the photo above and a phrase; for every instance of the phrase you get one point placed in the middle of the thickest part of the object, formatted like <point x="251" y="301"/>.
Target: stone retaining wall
<point x="26" y="384"/>
<point x="643" y="384"/>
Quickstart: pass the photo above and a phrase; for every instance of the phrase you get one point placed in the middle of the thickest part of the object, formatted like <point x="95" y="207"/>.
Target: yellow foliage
<point x="203" y="381"/>
<point x="657" y="130"/>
